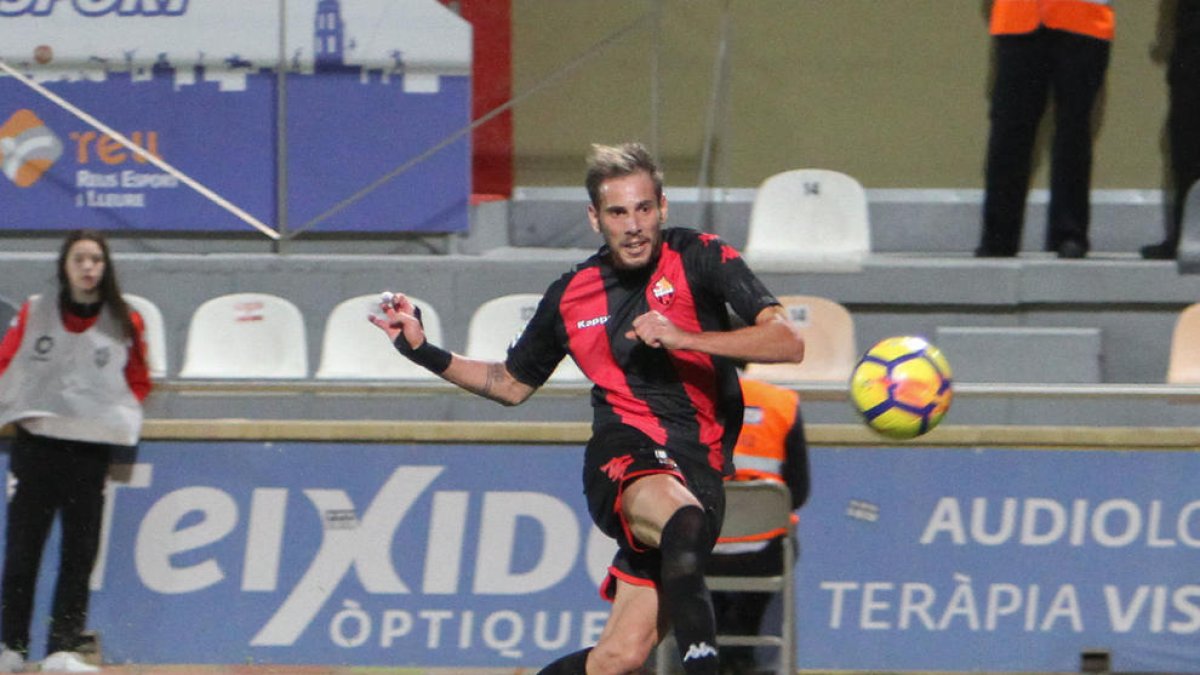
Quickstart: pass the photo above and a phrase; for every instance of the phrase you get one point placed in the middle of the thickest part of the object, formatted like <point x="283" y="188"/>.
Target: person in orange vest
<point x="771" y="446"/>
<point x="1043" y="47"/>
<point x="1183" y="121"/>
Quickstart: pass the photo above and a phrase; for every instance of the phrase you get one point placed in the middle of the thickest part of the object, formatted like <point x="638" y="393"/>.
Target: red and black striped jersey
<point x="687" y="401"/>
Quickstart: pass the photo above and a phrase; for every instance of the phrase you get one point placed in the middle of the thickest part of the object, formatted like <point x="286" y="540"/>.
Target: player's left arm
<point x="772" y="339"/>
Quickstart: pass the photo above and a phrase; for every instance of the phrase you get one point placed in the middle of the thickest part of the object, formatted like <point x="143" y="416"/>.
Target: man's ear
<point x="593" y="218"/>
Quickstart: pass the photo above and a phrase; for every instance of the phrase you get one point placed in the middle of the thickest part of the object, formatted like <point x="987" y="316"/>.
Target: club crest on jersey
<point x="664" y="292"/>
<point x="102" y="356"/>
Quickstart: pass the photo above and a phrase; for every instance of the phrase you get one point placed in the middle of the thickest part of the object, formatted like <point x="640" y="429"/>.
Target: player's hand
<point x="400" y="317"/>
<point x="655" y="330"/>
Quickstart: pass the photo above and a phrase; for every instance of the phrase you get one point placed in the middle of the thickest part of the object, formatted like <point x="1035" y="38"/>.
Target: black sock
<point x="686" y="543"/>
<point x="571" y="664"/>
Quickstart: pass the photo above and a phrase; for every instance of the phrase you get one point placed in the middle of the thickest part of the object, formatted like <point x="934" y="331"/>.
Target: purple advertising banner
<point x="377" y="94"/>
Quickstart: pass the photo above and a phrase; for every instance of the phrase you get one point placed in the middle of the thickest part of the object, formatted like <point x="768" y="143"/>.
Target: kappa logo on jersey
<point x="664" y="292"/>
<point x="28" y="148"/>
<point x="701" y="650"/>
<point x="727" y="252"/>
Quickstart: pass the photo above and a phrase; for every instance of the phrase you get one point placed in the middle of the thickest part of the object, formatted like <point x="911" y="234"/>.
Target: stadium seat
<point x="830" y="349"/>
<point x="8" y="310"/>
<point x="154" y="335"/>
<point x="353" y="348"/>
<point x="1184" y="364"/>
<point x="751" y="509"/>
<point x="808" y="219"/>
<point x="497" y="323"/>
<point x="1187" y="259"/>
<point x="246" y="336"/>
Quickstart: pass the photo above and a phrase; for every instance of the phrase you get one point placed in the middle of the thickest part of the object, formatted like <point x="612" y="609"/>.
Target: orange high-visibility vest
<point x="770" y="413"/>
<point x="761" y="451"/>
<point x="1085" y="17"/>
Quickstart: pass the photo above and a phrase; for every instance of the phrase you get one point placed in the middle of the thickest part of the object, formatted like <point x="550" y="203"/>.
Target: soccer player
<point x="646" y="320"/>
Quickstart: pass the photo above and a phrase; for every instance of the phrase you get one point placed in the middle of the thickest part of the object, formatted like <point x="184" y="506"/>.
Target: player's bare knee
<point x="619" y="656"/>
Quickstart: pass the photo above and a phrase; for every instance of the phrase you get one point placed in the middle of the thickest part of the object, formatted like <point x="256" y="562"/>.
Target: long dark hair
<point x="110" y="290"/>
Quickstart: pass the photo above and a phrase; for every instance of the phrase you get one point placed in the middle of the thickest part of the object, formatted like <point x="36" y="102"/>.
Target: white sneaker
<point x="67" y="662"/>
<point x="11" y="660"/>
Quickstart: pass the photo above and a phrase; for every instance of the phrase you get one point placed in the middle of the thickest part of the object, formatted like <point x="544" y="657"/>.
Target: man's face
<point x="630" y="219"/>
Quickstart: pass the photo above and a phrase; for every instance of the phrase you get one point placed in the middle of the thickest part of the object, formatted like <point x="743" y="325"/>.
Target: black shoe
<point x="1071" y="250"/>
<point x="1160" y="251"/>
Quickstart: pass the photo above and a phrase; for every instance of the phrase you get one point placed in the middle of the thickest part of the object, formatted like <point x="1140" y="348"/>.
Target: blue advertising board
<point x="365" y="136"/>
<point x="484" y="556"/>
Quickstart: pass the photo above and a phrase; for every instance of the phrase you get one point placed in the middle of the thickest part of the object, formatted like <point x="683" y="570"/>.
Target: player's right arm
<point x="489" y="379"/>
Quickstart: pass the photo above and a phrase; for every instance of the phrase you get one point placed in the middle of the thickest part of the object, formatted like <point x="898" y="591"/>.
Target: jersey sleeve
<point x="137" y="371"/>
<point x="726" y="274"/>
<point x="536" y="352"/>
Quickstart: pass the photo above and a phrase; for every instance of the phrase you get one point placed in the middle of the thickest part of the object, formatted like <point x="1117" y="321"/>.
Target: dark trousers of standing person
<point x="52" y="477"/>
<point x="1029" y="68"/>
<point x="1183" y="125"/>
<point x="742" y="613"/>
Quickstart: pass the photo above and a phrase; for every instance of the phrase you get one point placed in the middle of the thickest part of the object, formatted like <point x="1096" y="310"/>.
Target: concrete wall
<point x="894" y="92"/>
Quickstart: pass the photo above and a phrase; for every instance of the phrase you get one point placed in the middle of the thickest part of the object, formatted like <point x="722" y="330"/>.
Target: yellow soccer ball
<point x="902" y="387"/>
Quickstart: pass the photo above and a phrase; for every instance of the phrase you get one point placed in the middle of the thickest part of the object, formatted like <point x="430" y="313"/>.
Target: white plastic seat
<point x="751" y="509"/>
<point x="1184" y="364"/>
<point x="497" y="323"/>
<point x="830" y="347"/>
<point x="353" y="348"/>
<point x="807" y="219"/>
<point x="154" y="334"/>
<point x="246" y="336"/>
<point x="8" y="311"/>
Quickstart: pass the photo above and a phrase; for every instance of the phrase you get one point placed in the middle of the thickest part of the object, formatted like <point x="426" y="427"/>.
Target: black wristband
<point x="434" y="359"/>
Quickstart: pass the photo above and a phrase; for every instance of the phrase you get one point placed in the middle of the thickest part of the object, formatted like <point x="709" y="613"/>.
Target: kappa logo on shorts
<point x="617" y="466"/>
<point x="28" y="148"/>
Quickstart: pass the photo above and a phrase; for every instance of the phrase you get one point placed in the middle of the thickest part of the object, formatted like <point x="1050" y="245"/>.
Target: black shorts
<point x="617" y="456"/>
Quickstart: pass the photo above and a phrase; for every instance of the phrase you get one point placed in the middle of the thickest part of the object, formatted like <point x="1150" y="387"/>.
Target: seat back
<point x="1187" y="259"/>
<point x="353" y="348"/>
<point x="154" y="334"/>
<point x="808" y="218"/>
<point x="8" y="311"/>
<point x="497" y="323"/>
<point x="1183" y="366"/>
<point x="830" y="347"/>
<point x="753" y="507"/>
<point x="246" y="336"/>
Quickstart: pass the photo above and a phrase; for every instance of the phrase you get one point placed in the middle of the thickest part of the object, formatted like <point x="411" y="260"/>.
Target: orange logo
<point x="28" y="148"/>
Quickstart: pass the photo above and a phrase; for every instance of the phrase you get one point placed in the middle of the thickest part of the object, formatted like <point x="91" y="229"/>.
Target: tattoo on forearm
<point x="494" y="372"/>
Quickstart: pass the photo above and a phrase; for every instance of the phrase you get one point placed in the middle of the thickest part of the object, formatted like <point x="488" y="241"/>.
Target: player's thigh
<point x="649" y="502"/>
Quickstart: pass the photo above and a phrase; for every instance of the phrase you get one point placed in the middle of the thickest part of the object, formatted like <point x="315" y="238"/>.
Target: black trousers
<point x="1029" y="68"/>
<point x="1183" y="115"/>
<point x="53" y="477"/>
